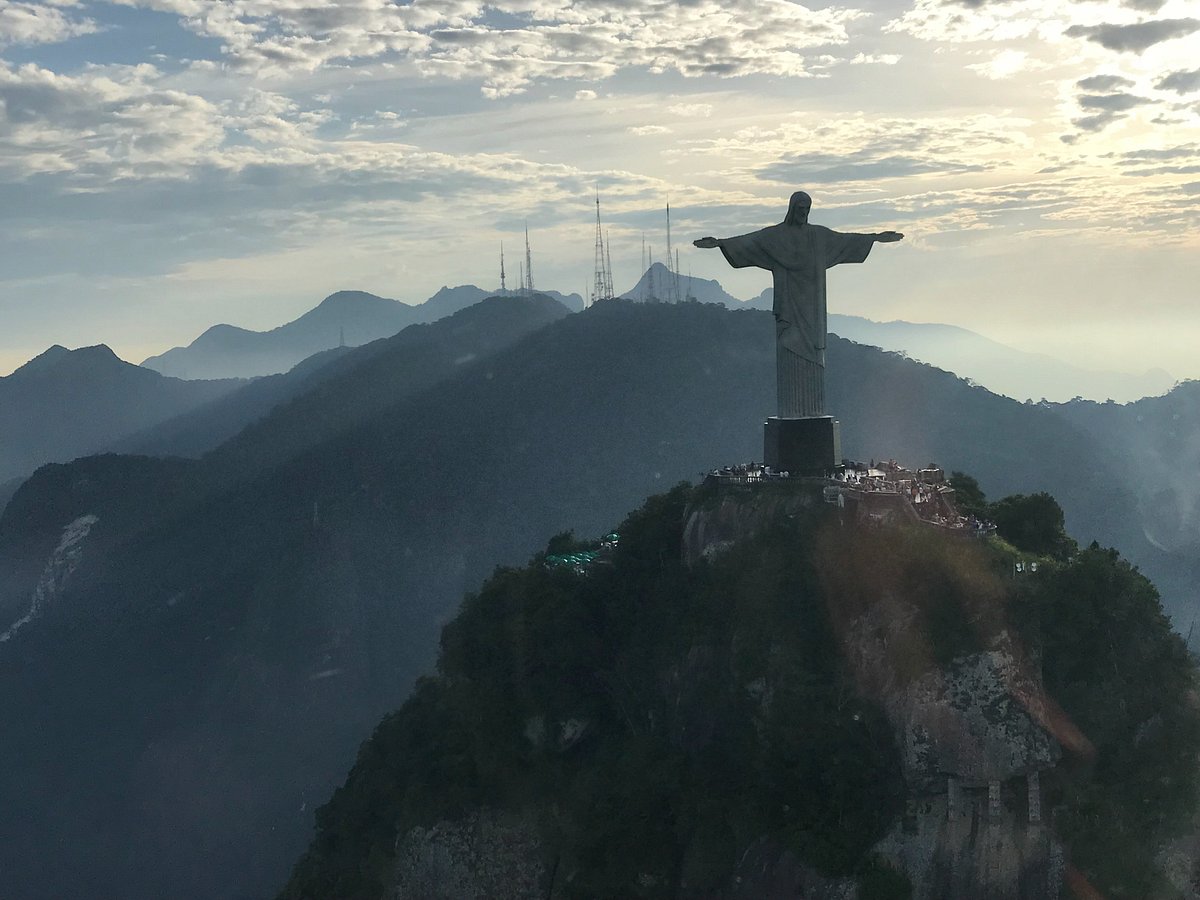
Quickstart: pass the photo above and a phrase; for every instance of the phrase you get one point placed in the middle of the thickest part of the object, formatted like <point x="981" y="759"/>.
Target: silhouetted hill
<point x="765" y="300"/>
<point x="343" y="385"/>
<point x="195" y="433"/>
<point x="355" y="315"/>
<point x="658" y="283"/>
<point x="210" y="653"/>
<point x="346" y="317"/>
<point x="68" y="403"/>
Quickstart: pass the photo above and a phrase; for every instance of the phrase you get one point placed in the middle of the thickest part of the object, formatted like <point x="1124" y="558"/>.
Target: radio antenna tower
<point x="679" y="295"/>
<point x="643" y="269"/>
<point x="608" y="279"/>
<point x="673" y="278"/>
<point x="503" y="280"/>
<point x="528" y="263"/>
<point x="650" y="272"/>
<point x="602" y="273"/>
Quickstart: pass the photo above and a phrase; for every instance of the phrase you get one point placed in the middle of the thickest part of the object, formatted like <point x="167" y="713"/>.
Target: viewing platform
<point x="875" y="493"/>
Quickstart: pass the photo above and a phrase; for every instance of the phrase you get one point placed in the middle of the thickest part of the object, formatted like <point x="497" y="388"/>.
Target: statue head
<point x="798" y="208"/>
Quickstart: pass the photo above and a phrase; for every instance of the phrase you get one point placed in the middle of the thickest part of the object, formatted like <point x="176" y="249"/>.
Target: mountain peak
<point x="48" y="358"/>
<point x="660" y="283"/>
<point x="58" y="355"/>
<point x="345" y="298"/>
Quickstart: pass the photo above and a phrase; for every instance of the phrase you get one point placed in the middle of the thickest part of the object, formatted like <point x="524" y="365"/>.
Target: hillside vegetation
<point x="656" y="720"/>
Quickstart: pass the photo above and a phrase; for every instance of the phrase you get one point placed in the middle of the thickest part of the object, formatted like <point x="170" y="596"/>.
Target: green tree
<point x="1034" y="523"/>
<point x="968" y="495"/>
<point x="1125" y="681"/>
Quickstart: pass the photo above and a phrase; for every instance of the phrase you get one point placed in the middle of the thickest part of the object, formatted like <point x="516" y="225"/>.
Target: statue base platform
<point x="806" y="446"/>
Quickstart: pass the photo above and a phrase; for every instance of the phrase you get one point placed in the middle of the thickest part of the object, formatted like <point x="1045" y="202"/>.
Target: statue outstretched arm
<point x="706" y="243"/>
<point x="888" y="237"/>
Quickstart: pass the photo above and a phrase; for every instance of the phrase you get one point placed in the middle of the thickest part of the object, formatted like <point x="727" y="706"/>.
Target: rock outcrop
<point x="488" y="855"/>
<point x="974" y="731"/>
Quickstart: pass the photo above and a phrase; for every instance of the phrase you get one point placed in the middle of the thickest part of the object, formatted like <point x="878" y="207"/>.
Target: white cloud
<point x="1006" y="64"/>
<point x="817" y="145"/>
<point x="881" y="59"/>
<point x="555" y="39"/>
<point x="585" y="95"/>
<point x="691" y="110"/>
<point x="110" y="122"/>
<point x="937" y="20"/>
<point x="648" y="129"/>
<point x="39" y="23"/>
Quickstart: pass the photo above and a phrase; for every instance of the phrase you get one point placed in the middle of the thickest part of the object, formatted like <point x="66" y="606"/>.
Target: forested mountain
<point x="213" y="645"/>
<point x="68" y="403"/>
<point x="200" y="430"/>
<point x="344" y="385"/>
<point x="787" y="717"/>
<point x="346" y="318"/>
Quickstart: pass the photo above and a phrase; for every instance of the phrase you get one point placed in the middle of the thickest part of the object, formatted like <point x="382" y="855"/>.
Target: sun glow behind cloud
<point x="146" y="195"/>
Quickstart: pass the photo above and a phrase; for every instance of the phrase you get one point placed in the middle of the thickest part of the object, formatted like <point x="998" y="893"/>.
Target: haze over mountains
<point x="347" y="318"/>
<point x="998" y="367"/>
<point x="67" y="403"/>
<point x="93" y="408"/>
<point x="357" y="317"/>
<point x="205" y="660"/>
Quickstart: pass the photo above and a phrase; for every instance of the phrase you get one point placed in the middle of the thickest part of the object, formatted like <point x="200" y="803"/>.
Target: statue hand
<point x="888" y="237"/>
<point x="705" y="243"/>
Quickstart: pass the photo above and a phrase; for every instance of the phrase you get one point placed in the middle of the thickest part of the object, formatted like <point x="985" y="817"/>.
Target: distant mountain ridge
<point x="998" y="367"/>
<point x="68" y="403"/>
<point x="357" y="317"/>
<point x="349" y="318"/>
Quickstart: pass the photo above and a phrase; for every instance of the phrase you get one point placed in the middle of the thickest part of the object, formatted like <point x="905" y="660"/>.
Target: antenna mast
<point x="528" y="263"/>
<point x="608" y="279"/>
<point x="602" y="273"/>
<point x="503" y="281"/>
<point x="643" y="269"/>
<point x="678" y="296"/>
<point x="672" y="290"/>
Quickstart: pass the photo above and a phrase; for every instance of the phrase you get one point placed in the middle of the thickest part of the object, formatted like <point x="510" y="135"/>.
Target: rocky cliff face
<point x="974" y="730"/>
<point x="490" y="855"/>
<point x="724" y="518"/>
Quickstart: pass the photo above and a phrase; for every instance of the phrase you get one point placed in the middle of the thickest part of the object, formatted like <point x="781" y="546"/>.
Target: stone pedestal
<point x="806" y="446"/>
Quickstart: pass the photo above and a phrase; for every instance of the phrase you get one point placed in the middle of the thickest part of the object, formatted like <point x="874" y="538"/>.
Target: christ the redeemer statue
<point x="798" y="253"/>
<point x="801" y="437"/>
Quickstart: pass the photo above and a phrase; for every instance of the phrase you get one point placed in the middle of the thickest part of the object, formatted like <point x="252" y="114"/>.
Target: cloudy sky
<point x="169" y="164"/>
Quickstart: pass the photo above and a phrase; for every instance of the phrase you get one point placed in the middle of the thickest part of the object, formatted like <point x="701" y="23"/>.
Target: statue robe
<point x="798" y="256"/>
